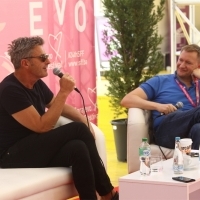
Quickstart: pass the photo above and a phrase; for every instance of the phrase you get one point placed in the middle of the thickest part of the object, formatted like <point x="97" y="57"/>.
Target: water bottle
<point x="144" y="154"/>
<point x="178" y="157"/>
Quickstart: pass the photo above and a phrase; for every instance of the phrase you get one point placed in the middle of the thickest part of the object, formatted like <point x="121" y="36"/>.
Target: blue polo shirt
<point x="164" y="89"/>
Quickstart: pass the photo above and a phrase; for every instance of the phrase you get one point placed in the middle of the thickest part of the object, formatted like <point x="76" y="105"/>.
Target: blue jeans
<point x="183" y="124"/>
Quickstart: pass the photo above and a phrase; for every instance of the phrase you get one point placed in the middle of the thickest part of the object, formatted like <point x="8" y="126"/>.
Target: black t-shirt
<point x="15" y="97"/>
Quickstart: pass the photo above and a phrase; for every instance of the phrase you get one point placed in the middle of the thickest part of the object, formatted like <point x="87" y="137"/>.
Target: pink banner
<point x="67" y="27"/>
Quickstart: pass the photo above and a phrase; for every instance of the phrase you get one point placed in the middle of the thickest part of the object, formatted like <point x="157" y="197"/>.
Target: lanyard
<point x="186" y="93"/>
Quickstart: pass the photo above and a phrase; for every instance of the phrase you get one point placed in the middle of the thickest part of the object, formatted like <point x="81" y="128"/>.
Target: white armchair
<point x="137" y="128"/>
<point x="53" y="183"/>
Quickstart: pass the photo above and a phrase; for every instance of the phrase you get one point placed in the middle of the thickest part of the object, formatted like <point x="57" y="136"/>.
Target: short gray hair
<point x="22" y="47"/>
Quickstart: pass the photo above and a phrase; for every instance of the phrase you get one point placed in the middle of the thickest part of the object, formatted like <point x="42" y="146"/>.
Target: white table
<point x="159" y="185"/>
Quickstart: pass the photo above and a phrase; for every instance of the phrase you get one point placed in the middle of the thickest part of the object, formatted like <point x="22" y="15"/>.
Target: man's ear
<point x="25" y="63"/>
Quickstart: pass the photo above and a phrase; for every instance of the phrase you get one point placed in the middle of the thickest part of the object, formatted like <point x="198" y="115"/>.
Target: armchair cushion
<point x="137" y="128"/>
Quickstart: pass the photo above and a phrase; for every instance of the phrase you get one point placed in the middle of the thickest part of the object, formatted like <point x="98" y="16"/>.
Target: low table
<point x="159" y="185"/>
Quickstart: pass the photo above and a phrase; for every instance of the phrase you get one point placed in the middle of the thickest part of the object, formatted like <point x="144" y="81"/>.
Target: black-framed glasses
<point x="42" y="57"/>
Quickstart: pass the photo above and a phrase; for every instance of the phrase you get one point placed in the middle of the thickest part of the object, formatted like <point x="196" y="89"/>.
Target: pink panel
<point x="67" y="26"/>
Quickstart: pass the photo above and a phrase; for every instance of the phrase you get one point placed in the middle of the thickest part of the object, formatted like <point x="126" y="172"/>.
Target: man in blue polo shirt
<point x="161" y="93"/>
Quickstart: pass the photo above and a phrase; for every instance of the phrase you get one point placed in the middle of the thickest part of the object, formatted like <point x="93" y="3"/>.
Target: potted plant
<point x="133" y="45"/>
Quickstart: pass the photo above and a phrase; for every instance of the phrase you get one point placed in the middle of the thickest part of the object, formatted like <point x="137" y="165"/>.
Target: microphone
<point x="58" y="73"/>
<point x="178" y="105"/>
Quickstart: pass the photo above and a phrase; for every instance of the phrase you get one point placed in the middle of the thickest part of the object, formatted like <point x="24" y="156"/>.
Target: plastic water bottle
<point x="178" y="157"/>
<point x="144" y="154"/>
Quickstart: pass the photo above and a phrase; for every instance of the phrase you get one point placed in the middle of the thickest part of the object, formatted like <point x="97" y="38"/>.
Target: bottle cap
<point x="177" y="138"/>
<point x="144" y="139"/>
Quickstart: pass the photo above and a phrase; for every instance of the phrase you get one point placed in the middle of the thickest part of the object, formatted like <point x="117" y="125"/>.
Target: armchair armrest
<point x="137" y="128"/>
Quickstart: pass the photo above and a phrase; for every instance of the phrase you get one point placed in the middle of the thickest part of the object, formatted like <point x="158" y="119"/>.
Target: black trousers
<point x="69" y="145"/>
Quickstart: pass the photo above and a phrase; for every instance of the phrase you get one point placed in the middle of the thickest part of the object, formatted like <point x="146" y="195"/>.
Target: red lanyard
<point x="186" y="93"/>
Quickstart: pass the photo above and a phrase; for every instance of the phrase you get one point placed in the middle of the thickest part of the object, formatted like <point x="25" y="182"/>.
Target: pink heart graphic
<point x="91" y="96"/>
<point x="54" y="43"/>
<point x="6" y="67"/>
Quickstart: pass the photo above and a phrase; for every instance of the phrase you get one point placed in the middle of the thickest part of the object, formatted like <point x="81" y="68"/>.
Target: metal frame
<point x="193" y="36"/>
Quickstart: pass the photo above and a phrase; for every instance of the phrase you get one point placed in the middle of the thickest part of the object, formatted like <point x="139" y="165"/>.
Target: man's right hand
<point x="67" y="83"/>
<point x="166" y="108"/>
<point x="196" y="73"/>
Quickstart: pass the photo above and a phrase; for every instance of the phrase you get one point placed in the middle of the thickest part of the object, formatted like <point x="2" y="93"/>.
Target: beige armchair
<point x="137" y="128"/>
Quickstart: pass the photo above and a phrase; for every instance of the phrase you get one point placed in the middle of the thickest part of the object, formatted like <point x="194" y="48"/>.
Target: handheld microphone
<point x="178" y="105"/>
<point x="58" y="73"/>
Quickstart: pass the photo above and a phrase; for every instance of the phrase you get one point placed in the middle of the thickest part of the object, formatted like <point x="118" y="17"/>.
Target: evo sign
<point x="67" y="26"/>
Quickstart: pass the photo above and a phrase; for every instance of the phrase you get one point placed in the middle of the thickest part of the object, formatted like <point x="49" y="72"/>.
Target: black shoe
<point x="116" y="196"/>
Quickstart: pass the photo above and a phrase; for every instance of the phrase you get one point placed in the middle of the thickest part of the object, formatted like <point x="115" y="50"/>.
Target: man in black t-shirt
<point x="27" y="137"/>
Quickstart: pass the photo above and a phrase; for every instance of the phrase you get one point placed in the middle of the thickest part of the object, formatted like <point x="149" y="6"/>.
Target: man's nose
<point x="182" y="64"/>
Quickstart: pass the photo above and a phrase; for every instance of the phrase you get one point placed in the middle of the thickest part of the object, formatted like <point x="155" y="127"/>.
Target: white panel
<point x="187" y="2"/>
<point x="193" y="34"/>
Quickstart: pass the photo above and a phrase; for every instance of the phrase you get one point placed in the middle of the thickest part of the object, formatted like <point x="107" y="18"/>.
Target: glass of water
<point x="156" y="164"/>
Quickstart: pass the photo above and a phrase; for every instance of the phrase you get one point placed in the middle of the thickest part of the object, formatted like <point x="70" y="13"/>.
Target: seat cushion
<point x="23" y="182"/>
<point x="155" y="150"/>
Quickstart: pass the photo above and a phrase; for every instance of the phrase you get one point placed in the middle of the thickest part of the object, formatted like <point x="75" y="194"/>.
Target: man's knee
<point x="194" y="134"/>
<point x="77" y="147"/>
<point x="195" y="129"/>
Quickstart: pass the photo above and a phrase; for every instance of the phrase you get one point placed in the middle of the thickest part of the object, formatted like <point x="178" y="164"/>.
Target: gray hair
<point x="21" y="48"/>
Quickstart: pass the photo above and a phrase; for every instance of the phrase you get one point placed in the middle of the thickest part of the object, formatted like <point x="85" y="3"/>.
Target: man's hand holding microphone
<point x="165" y="109"/>
<point x="67" y="84"/>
